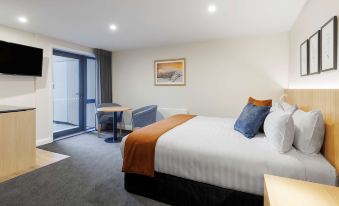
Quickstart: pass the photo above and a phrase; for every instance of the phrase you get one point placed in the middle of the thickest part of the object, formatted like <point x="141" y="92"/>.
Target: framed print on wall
<point x="314" y="46"/>
<point x="171" y="72"/>
<point x="329" y="45"/>
<point x="304" y="58"/>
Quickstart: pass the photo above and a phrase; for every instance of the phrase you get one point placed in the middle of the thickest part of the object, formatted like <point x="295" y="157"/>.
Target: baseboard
<point x="40" y="142"/>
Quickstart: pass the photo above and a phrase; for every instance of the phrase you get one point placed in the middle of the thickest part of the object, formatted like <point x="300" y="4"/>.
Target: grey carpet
<point x="90" y="177"/>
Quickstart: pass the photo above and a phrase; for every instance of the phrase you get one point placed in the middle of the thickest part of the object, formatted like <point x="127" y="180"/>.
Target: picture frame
<point x="304" y="58"/>
<point x="170" y="72"/>
<point x="314" y="53"/>
<point x="329" y="45"/>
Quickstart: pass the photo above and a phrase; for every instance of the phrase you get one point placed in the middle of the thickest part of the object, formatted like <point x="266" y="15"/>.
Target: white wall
<point x="314" y="15"/>
<point x="34" y="91"/>
<point x="221" y="75"/>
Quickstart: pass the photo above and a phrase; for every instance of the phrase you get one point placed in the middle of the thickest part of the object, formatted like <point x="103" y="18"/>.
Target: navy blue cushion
<point x="251" y="119"/>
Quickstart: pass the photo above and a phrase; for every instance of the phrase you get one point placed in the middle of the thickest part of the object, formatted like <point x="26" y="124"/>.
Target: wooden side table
<point x="115" y="111"/>
<point x="281" y="191"/>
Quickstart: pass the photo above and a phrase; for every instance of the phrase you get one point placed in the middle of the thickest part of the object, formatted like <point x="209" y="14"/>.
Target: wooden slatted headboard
<point x="327" y="100"/>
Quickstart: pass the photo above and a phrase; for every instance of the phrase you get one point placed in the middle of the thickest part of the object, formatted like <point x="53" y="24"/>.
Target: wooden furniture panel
<point x="281" y="191"/>
<point x="266" y="200"/>
<point x="326" y="100"/>
<point x="17" y="141"/>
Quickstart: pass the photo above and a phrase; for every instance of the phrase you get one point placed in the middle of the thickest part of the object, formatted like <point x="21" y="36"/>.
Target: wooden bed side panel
<point x="326" y="100"/>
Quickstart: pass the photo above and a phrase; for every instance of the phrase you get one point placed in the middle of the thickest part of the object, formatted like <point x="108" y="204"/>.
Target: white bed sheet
<point x="209" y="150"/>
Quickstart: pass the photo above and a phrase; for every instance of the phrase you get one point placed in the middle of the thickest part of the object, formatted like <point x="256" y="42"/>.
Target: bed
<point x="205" y="161"/>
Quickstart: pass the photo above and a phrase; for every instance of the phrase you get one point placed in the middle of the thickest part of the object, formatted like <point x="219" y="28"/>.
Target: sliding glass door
<point x="74" y="90"/>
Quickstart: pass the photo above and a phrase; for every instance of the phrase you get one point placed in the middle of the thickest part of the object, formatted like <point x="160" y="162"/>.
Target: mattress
<point x="209" y="150"/>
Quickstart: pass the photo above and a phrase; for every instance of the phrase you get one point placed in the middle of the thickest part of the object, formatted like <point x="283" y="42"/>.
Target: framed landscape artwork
<point x="329" y="44"/>
<point x="304" y="58"/>
<point x="170" y="72"/>
<point x="314" y="42"/>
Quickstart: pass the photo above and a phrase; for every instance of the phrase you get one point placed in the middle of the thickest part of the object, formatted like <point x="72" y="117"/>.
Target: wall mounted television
<point x="18" y="59"/>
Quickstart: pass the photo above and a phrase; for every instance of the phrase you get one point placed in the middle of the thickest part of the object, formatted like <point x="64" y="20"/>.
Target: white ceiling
<point x="149" y="23"/>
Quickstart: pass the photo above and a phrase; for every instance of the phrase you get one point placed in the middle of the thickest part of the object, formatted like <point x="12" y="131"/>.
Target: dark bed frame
<point x="179" y="191"/>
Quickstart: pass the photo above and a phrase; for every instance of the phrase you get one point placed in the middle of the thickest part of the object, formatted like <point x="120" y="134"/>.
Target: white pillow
<point x="309" y="131"/>
<point x="276" y="107"/>
<point x="284" y="106"/>
<point x="288" y="107"/>
<point x="279" y="129"/>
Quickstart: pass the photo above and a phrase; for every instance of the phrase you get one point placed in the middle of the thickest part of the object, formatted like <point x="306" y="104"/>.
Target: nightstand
<point x="281" y="191"/>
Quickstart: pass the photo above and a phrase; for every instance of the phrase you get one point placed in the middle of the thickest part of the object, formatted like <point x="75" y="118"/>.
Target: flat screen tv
<point x="18" y="59"/>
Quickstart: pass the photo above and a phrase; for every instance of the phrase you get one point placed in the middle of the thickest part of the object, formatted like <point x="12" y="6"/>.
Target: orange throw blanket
<point x="139" y="148"/>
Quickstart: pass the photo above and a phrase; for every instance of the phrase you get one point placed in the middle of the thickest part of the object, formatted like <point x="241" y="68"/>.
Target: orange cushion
<point x="260" y="103"/>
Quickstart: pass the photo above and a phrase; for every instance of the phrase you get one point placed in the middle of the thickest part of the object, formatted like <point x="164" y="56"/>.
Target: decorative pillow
<point x="279" y="129"/>
<point x="309" y="131"/>
<point x="260" y="103"/>
<point x="251" y="119"/>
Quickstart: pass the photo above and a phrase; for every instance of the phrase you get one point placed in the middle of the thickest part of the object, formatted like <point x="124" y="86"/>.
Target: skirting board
<point x="44" y="141"/>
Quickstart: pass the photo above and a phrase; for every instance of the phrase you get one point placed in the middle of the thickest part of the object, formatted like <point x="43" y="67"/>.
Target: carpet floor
<point x="90" y="177"/>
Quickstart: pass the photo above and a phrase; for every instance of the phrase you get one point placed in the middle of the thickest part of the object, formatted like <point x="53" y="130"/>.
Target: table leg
<point x="114" y="139"/>
<point x="115" y="119"/>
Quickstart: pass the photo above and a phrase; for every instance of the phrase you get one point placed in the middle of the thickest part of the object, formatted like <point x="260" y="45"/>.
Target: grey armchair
<point x="107" y="118"/>
<point x="144" y="116"/>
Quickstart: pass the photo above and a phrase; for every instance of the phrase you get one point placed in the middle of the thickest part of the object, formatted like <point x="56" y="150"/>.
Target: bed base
<point x="179" y="191"/>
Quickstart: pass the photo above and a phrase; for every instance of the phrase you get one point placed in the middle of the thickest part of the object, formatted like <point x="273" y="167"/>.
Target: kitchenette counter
<point x="7" y="108"/>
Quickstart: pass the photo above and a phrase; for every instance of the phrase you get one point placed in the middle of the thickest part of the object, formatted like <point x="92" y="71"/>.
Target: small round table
<point x="113" y="110"/>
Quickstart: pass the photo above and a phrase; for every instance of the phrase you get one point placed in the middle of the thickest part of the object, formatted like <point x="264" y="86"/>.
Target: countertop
<point x="7" y="108"/>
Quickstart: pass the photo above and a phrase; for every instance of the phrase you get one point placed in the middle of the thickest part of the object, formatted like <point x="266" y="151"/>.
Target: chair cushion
<point x="251" y="119"/>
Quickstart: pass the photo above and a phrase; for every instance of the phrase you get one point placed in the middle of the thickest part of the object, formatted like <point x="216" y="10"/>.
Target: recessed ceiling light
<point x="113" y="27"/>
<point x="212" y="8"/>
<point x="22" y="19"/>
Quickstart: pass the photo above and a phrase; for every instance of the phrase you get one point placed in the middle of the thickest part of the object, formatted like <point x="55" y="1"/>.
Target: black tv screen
<point x="18" y="59"/>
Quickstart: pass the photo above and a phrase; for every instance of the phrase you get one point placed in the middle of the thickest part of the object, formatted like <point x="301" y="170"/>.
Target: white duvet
<point x="209" y="150"/>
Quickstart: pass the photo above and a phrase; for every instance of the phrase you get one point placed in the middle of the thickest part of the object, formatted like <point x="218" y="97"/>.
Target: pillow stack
<point x="286" y="125"/>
